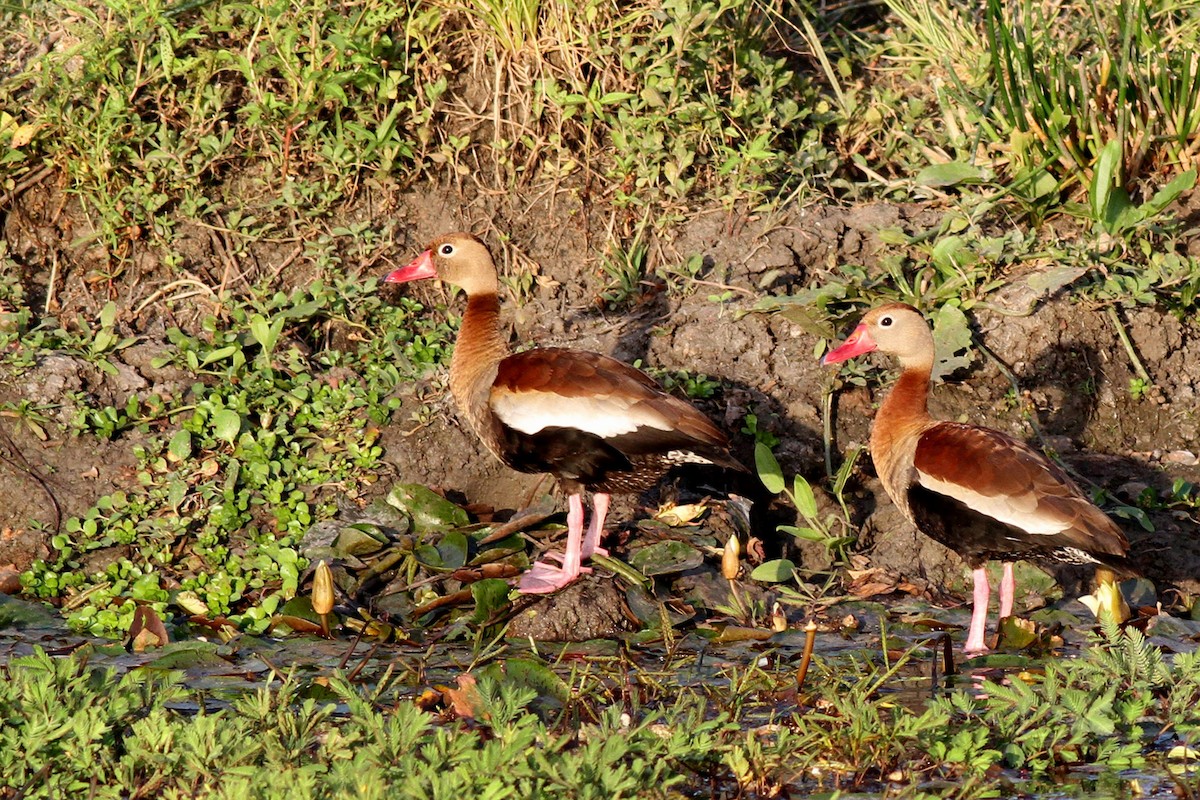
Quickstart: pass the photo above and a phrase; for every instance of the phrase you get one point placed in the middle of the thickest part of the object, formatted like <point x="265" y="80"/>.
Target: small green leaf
<point x="226" y="424"/>
<point x="108" y="315"/>
<point x="806" y="501"/>
<point x="220" y="354"/>
<point x="776" y="571"/>
<point x="453" y="549"/>
<point x="949" y="174"/>
<point x="491" y="595"/>
<point x="808" y="534"/>
<point x="181" y="445"/>
<point x="952" y="339"/>
<point x="428" y="509"/>
<point x="768" y="468"/>
<point x="662" y="558"/>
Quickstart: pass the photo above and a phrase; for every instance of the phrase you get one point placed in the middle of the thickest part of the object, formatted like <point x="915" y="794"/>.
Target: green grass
<point x="538" y="730"/>
<point x="263" y="445"/>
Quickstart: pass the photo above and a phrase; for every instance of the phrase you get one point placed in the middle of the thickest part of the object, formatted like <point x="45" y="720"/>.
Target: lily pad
<point x="491" y="595"/>
<point x="649" y="610"/>
<point x="428" y="510"/>
<point x="664" y="558"/>
<point x="453" y="549"/>
<point x="528" y="673"/>
<point x="359" y="539"/>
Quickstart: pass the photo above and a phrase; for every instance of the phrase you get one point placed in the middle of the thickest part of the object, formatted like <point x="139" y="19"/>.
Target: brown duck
<point x="977" y="491"/>
<point x="589" y="420"/>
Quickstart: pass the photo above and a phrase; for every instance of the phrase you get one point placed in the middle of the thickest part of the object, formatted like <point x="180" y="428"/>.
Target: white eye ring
<point x="447" y="249"/>
<point x="886" y="322"/>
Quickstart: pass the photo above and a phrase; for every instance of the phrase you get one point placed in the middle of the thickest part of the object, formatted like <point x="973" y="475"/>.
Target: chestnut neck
<point x="904" y="412"/>
<point x="477" y="353"/>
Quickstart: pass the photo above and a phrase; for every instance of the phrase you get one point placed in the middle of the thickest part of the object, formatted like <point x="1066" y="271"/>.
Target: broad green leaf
<point x="108" y="314"/>
<point x="429" y="510"/>
<point x="1102" y="179"/>
<point x="1181" y="183"/>
<point x="768" y="468"/>
<point x="808" y="534"/>
<point x="359" y="540"/>
<point x="949" y="174"/>
<point x="181" y="445"/>
<point x="428" y="555"/>
<point x="453" y="549"/>
<point x="945" y="253"/>
<point x="491" y="595"/>
<point x="662" y="558"/>
<point x="226" y="424"/>
<point x="529" y="674"/>
<point x="952" y="340"/>
<point x="776" y="571"/>
<point x="1055" y="278"/>
<point x="806" y="501"/>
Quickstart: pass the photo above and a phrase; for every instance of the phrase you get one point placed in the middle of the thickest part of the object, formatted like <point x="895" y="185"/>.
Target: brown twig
<point x="810" y="639"/>
<point x="25" y="185"/>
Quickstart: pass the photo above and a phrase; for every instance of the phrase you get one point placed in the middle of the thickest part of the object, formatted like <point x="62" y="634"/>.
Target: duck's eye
<point x="446" y="249"/>
<point x="886" y="322"/>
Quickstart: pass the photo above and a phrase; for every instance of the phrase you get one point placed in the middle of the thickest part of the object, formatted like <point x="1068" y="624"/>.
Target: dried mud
<point x="1070" y="365"/>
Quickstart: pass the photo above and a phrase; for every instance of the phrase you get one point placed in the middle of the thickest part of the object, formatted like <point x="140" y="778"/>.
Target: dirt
<point x="1071" y="367"/>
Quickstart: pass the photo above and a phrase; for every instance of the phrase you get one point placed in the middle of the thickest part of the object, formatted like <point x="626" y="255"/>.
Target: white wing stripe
<point x="1020" y="512"/>
<point x="593" y="415"/>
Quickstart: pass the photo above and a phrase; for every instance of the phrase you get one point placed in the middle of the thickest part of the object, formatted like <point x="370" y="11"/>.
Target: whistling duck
<point x="977" y="491"/>
<point x="589" y="420"/>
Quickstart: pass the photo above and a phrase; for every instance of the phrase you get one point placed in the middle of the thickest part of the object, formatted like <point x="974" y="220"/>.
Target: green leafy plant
<point x="834" y="531"/>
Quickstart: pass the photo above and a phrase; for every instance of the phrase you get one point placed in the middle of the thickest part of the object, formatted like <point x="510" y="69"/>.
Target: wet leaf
<point x="664" y="558"/>
<point x="429" y="510"/>
<point x="776" y="571"/>
<point x="359" y="539"/>
<point x="147" y="630"/>
<point x="453" y="550"/>
<point x="428" y="555"/>
<point x="297" y="624"/>
<point x="459" y="598"/>
<point x="650" y="610"/>
<point x="300" y="607"/>
<point x="491" y="595"/>
<point x="1017" y="633"/>
<point x="530" y="674"/>
<point x="952" y="338"/>
<point x="189" y="656"/>
<point x="739" y="633"/>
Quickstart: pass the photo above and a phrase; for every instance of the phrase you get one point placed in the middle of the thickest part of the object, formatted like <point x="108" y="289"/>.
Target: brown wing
<point x="557" y="388"/>
<point x="1006" y="480"/>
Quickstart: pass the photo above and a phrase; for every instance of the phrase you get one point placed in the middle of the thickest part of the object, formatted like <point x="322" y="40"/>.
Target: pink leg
<point x="591" y="544"/>
<point x="544" y="577"/>
<point x="1008" y="589"/>
<point x="979" y="613"/>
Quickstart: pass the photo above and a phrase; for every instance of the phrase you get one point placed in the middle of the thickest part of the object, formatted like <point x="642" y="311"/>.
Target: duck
<point x="593" y="422"/>
<point x="979" y="492"/>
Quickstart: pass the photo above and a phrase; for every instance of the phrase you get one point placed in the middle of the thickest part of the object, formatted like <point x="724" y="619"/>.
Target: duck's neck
<point x="902" y="418"/>
<point x="908" y="401"/>
<point x="477" y="353"/>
